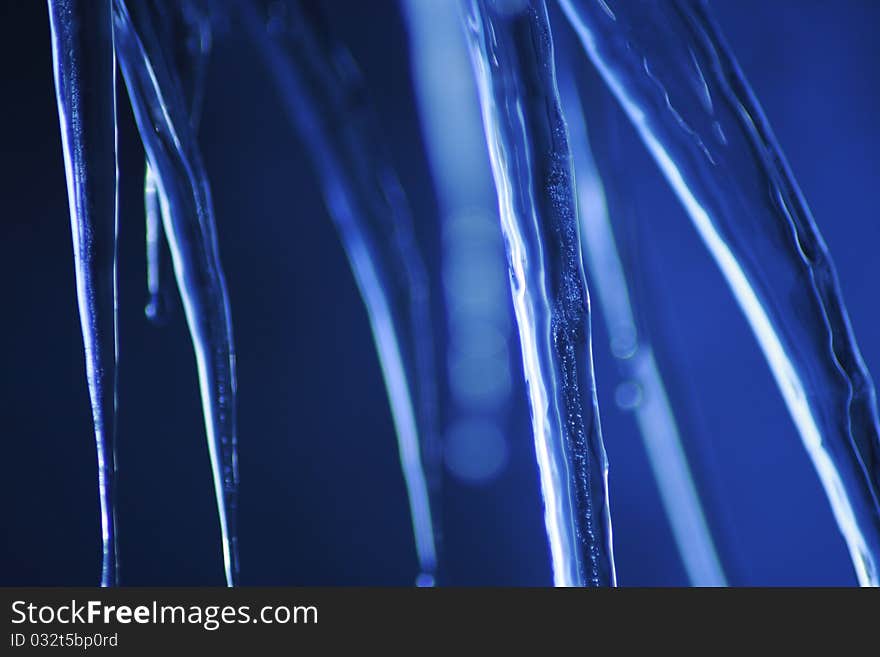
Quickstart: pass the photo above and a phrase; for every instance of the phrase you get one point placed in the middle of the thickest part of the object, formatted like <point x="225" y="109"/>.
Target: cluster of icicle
<point x="676" y="80"/>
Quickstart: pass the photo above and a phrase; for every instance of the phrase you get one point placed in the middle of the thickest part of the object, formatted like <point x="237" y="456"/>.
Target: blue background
<point x="322" y="498"/>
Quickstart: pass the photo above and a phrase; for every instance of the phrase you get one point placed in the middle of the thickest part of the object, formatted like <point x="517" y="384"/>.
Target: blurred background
<point x="322" y="496"/>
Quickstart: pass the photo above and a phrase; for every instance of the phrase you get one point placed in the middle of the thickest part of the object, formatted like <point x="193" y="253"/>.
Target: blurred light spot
<point x="425" y="580"/>
<point x="475" y="279"/>
<point x="474" y="226"/>
<point x="475" y="451"/>
<point x="476" y="338"/>
<point x="624" y="341"/>
<point x="479" y="380"/>
<point x="628" y="395"/>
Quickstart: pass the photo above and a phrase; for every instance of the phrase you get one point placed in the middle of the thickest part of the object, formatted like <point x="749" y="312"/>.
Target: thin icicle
<point x="653" y="411"/>
<point x="478" y="359"/>
<point x="85" y="70"/>
<point x="325" y="97"/>
<point x="184" y="28"/>
<point x="155" y="308"/>
<point x="163" y="121"/>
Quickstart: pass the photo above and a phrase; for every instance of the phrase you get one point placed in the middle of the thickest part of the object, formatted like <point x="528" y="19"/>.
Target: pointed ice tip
<point x="156" y="311"/>
<point x="425" y="580"/>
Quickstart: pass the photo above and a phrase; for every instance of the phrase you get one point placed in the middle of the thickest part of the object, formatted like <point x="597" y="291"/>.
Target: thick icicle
<point x="85" y="72"/>
<point x="327" y="102"/>
<point x="512" y="53"/>
<point x="163" y="121"/>
<point x="683" y="90"/>
<point x="635" y="357"/>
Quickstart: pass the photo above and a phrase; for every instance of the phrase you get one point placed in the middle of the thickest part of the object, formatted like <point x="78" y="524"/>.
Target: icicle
<point x="682" y="89"/>
<point x="652" y="409"/>
<point x="326" y="100"/>
<point x="163" y="120"/>
<point x="85" y="70"/>
<point x="512" y="53"/>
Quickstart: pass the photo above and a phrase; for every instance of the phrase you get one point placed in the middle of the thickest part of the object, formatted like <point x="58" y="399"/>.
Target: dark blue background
<point x="322" y="498"/>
